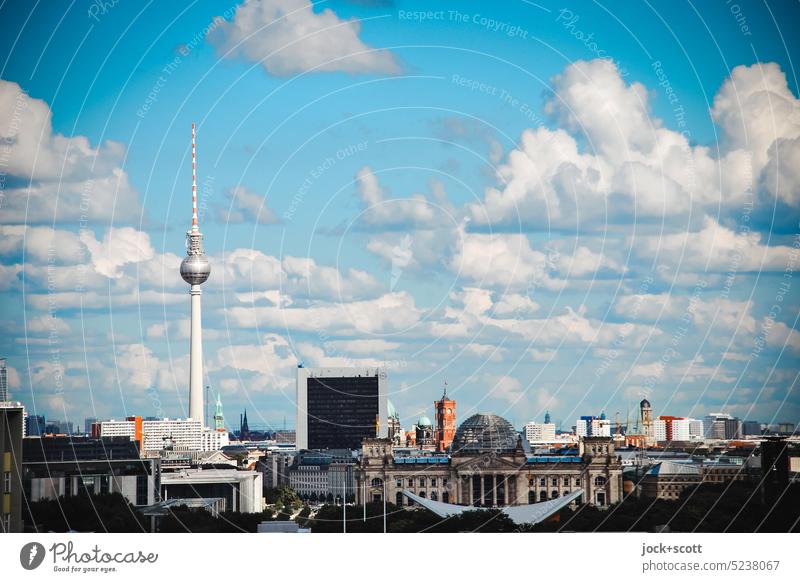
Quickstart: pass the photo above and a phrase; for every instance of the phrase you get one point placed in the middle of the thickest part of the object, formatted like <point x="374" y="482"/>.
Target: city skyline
<point x="436" y="211"/>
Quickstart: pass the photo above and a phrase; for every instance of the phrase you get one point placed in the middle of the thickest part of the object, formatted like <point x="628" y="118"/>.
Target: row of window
<point x="599" y="481"/>
<point x="543" y="495"/>
<point x="423" y="482"/>
<point x="401" y="499"/>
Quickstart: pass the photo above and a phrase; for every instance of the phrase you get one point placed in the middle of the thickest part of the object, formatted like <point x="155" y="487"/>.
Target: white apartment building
<point x="116" y="428"/>
<point x="678" y="428"/>
<point x="168" y="433"/>
<point x="176" y="434"/>
<point x="538" y="432"/>
<point x="592" y="426"/>
<point x="214" y="440"/>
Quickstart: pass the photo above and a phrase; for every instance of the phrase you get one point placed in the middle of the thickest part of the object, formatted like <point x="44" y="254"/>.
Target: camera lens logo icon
<point x="31" y="555"/>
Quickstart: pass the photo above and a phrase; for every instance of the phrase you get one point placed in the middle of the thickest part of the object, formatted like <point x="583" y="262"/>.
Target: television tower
<point x="195" y="270"/>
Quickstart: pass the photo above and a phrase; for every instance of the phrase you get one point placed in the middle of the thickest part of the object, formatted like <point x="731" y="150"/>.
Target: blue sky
<point x="551" y="206"/>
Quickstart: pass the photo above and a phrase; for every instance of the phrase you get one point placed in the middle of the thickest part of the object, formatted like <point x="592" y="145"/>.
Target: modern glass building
<point x="339" y="407"/>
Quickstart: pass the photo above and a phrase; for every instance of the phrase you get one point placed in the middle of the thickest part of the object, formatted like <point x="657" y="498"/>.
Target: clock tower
<point x="445" y="421"/>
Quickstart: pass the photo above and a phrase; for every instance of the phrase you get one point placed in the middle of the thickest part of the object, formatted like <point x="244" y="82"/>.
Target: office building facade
<point x="592" y="426"/>
<point x="339" y="407"/>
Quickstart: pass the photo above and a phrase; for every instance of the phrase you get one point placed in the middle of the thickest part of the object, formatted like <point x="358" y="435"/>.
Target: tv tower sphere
<point x="195" y="269"/>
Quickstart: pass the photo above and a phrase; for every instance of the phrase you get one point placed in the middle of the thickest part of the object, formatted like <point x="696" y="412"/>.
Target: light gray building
<point x="274" y="467"/>
<point x="323" y="474"/>
<point x="241" y="490"/>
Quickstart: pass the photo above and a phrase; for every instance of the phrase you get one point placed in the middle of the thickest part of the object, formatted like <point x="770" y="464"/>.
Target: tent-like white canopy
<point x="519" y="514"/>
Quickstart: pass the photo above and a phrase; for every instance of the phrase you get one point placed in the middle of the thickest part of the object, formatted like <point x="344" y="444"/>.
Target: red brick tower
<point x="445" y="421"/>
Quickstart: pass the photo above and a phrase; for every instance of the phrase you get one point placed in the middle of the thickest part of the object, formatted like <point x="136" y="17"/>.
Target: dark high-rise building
<point x="11" y="464"/>
<point x="59" y="427"/>
<point x="339" y="407"/>
<point x="774" y="468"/>
<point x="35" y="425"/>
<point x="751" y="428"/>
<point x="733" y="428"/>
<point x="718" y="425"/>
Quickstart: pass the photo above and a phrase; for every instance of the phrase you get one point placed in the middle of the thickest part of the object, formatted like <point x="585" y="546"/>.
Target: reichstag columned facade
<point x="489" y="465"/>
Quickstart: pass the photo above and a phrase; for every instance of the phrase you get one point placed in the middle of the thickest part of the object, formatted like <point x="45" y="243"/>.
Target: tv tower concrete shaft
<point x="195" y="270"/>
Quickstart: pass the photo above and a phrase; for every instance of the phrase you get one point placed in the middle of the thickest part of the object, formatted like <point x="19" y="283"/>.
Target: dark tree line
<point x="734" y="507"/>
<point x="84" y="513"/>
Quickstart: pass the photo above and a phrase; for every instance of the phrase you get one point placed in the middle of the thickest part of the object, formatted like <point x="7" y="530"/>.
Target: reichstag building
<point x="489" y="465"/>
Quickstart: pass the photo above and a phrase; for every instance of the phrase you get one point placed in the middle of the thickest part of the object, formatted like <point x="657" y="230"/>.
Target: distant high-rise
<point x="339" y="407"/>
<point x="4" y="395"/>
<point x="195" y="270"/>
<point x="592" y="426"/>
<point x="547" y="417"/>
<point x="87" y="424"/>
<point x="445" y="410"/>
<point x="751" y="427"/>
<point x="719" y="425"/>
<point x="36" y="425"/>
<point x="59" y="427"/>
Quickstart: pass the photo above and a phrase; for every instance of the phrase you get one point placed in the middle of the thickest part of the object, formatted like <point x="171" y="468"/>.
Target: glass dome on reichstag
<point x="483" y="433"/>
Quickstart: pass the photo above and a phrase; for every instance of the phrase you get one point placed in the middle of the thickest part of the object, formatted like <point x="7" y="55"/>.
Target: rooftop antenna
<point x="628" y="418"/>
